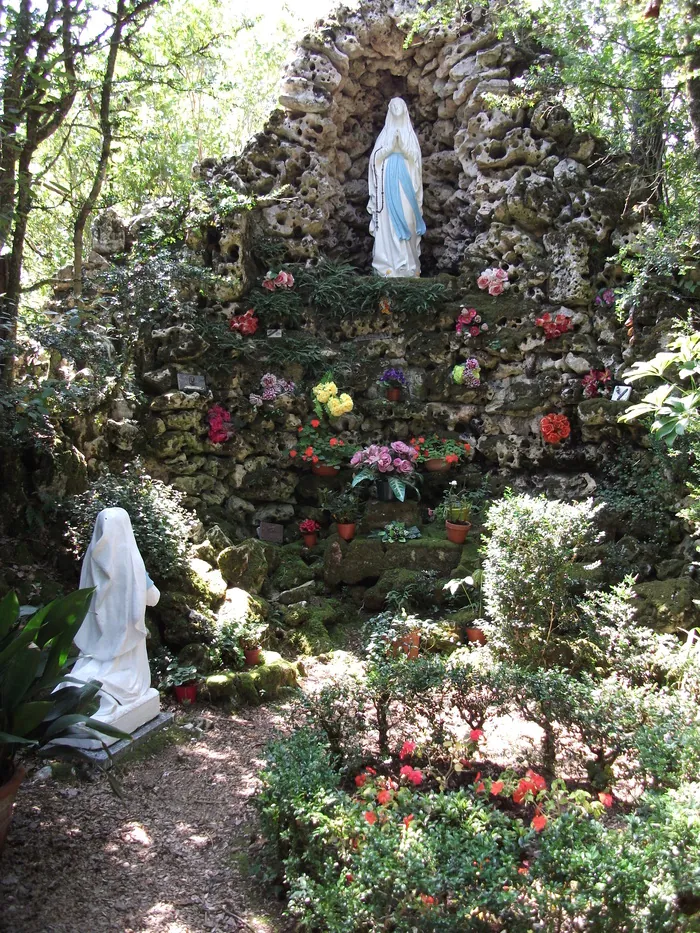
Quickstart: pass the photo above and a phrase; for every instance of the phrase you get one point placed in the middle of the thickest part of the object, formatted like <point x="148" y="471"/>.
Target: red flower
<point x="605" y="799"/>
<point x="407" y="749"/>
<point x="475" y="735"/>
<point x="539" y="822"/>
<point x="370" y="771"/>
<point x="309" y="526"/>
<point x="245" y="324"/>
<point x="496" y="787"/>
<point x="370" y="816"/>
<point x="524" y="788"/>
<point x="467" y="447"/>
<point x="412" y="774"/>
<point x="421" y="440"/>
<point x="361" y="780"/>
<point x="333" y="441"/>
<point x="555" y="428"/>
<point x="309" y="452"/>
<point x="349" y="878"/>
<point x="536" y="779"/>
<point x="383" y="797"/>
<point x="314" y="459"/>
<point x="341" y="443"/>
<point x="451" y="458"/>
<point x="407" y="820"/>
<point x="315" y="423"/>
<point x="300" y="429"/>
<point x="522" y="870"/>
<point x="292" y="453"/>
<point x="428" y="899"/>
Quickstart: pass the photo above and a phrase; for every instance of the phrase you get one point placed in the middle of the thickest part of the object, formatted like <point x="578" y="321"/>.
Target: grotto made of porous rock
<point x="507" y="186"/>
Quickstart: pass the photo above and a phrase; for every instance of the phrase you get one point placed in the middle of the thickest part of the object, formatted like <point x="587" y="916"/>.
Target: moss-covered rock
<point x="292" y="571"/>
<point x="203" y="657"/>
<point x="212" y="580"/>
<point x="397" y="579"/>
<point x="668" y="605"/>
<point x="256" y="685"/>
<point x="353" y="562"/>
<point x="244" y="566"/>
<point x="182" y="620"/>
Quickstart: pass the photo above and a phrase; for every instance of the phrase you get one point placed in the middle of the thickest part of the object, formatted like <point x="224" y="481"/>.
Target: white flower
<point x="453" y="482"/>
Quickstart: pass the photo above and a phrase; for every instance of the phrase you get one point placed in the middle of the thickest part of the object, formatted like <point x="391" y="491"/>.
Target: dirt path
<point x="176" y="856"/>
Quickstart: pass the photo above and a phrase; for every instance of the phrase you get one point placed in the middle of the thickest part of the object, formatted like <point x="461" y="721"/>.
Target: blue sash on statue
<point x="396" y="177"/>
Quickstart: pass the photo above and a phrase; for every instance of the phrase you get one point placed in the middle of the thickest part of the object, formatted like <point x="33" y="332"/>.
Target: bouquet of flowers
<point x="554" y="326"/>
<point x="309" y="526"/>
<point x="605" y="297"/>
<point x="439" y="448"/>
<point x="470" y="322"/>
<point x="327" y="399"/>
<point x="597" y="382"/>
<point x="555" y="428"/>
<point x="316" y="445"/>
<point x="495" y="280"/>
<point x="467" y="373"/>
<point x="219" y="428"/>
<point x="393" y="379"/>
<point x="278" y="280"/>
<point x="392" y="462"/>
<point x="246" y="324"/>
<point x="272" y="387"/>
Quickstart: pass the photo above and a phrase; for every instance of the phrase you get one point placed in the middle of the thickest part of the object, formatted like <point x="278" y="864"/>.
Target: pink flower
<point x="605" y="799"/>
<point x="474" y="331"/>
<point x="269" y="284"/>
<point x="384" y="463"/>
<point x="407" y="749"/>
<point x="284" y="280"/>
<point x="403" y="466"/>
<point x="475" y="735"/>
<point x="496" y="288"/>
<point x="357" y="458"/>
<point x="500" y="275"/>
<point x="484" y="280"/>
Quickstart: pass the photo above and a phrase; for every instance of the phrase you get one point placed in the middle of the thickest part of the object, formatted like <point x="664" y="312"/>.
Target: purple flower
<point x="255" y="401"/>
<point x="403" y="466"/>
<point x="358" y="458"/>
<point x="269" y="394"/>
<point x="269" y="381"/>
<point x="400" y="448"/>
<point x="608" y="296"/>
<point x="471" y="363"/>
<point x="385" y="463"/>
<point x="393" y="377"/>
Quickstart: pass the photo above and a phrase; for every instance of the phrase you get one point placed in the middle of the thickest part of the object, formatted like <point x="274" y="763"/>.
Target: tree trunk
<point x="106" y="129"/>
<point x="693" y="82"/>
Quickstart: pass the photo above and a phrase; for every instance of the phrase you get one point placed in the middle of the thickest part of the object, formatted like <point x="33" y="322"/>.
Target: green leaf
<point x="7" y="739"/>
<point x="65" y="724"/>
<point x="397" y="487"/>
<point x="9" y="611"/>
<point x="361" y="477"/>
<point x="30" y="715"/>
<point x="18" y="677"/>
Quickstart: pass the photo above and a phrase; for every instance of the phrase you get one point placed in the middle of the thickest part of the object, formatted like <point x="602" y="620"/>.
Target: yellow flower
<point x="325" y="391"/>
<point x="339" y="406"/>
<point x="346" y="402"/>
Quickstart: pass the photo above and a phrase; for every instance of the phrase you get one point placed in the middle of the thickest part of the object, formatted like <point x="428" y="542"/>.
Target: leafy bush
<point x="161" y="525"/>
<point x="532" y="583"/>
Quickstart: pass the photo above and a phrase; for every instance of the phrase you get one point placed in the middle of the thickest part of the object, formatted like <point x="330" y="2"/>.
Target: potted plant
<point x="38" y="702"/>
<point x="389" y="466"/>
<point x="183" y="681"/>
<point x="467" y="373"/>
<point x="397" y="533"/>
<point x="439" y="454"/>
<point x="346" y="509"/>
<point x="250" y="633"/>
<point x="393" y="381"/>
<point x="456" y="508"/>
<point x="309" y="529"/>
<point x="396" y="633"/>
<point x="325" y="451"/>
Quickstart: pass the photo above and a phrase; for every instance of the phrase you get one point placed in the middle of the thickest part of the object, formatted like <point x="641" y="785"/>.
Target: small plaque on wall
<point x="371" y="338"/>
<point x="270" y="531"/>
<point x="621" y="393"/>
<point x="276" y="333"/>
<point x="190" y="382"/>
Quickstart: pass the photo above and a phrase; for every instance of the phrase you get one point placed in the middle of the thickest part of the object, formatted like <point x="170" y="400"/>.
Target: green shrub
<point x="161" y="525"/>
<point x="532" y="584"/>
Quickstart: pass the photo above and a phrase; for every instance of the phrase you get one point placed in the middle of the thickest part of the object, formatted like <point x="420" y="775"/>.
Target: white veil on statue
<point x="112" y="639"/>
<point x="396" y="195"/>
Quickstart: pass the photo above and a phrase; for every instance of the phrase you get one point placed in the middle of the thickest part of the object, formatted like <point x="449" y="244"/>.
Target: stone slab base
<point x="139" y="737"/>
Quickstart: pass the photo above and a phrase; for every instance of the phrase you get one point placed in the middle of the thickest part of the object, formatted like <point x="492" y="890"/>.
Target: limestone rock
<point x="108" y="233"/>
<point x="244" y="565"/>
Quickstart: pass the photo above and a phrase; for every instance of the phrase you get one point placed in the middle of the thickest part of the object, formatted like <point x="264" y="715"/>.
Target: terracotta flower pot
<point x="475" y="636"/>
<point x="436" y="465"/>
<point x="252" y="656"/>
<point x="346" y="530"/>
<point x="185" y="694"/>
<point x="8" y="792"/>
<point x="310" y="540"/>
<point x="456" y="533"/>
<point x="409" y="644"/>
<point x="324" y="469"/>
<point x="393" y="393"/>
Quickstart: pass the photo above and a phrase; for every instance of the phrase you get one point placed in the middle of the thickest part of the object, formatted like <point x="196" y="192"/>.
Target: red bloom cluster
<point x="555" y="428"/>
<point x="281" y="280"/>
<point x="554" y="326"/>
<point x="412" y="774"/>
<point x="532" y="783"/>
<point x="219" y="429"/>
<point x="245" y="324"/>
<point x="596" y="382"/>
<point x="470" y="321"/>
<point x="309" y="526"/>
<point x="407" y="749"/>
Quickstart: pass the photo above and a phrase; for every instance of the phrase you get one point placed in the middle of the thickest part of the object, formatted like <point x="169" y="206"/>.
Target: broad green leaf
<point x="9" y="610"/>
<point x="30" y="715"/>
<point x="18" y="677"/>
<point x="66" y="723"/>
<point x="398" y="488"/>
<point x="8" y="739"/>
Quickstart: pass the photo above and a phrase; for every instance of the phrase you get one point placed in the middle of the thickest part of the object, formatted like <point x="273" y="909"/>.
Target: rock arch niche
<point x="504" y="183"/>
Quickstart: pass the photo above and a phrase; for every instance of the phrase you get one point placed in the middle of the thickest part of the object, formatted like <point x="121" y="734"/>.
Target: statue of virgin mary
<point x="396" y="196"/>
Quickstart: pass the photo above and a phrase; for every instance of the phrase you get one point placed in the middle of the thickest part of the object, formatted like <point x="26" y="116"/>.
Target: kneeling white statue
<point x="396" y="196"/>
<point x="112" y="639"/>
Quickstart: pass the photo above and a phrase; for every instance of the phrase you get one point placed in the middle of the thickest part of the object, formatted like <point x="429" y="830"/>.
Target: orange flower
<point x="407" y="820"/>
<point x="383" y="797"/>
<point x="309" y="452"/>
<point x="522" y="870"/>
<point x="314" y="459"/>
<point x="539" y="822"/>
<point x="496" y="787"/>
<point x="315" y="422"/>
<point x="371" y="817"/>
<point x="292" y="453"/>
<point x="605" y="799"/>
